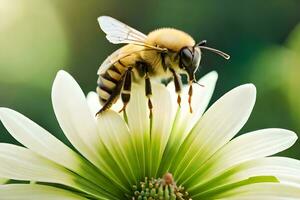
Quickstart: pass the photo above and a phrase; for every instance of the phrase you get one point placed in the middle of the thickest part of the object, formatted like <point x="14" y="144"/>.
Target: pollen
<point x="159" y="189"/>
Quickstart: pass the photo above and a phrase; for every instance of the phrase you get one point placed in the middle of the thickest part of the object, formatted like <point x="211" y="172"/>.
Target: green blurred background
<point x="37" y="38"/>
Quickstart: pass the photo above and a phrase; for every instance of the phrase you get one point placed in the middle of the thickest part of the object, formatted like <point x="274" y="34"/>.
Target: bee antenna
<point x="221" y="53"/>
<point x="201" y="45"/>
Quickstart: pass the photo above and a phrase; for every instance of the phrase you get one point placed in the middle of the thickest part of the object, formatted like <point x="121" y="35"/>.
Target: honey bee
<point x="163" y="53"/>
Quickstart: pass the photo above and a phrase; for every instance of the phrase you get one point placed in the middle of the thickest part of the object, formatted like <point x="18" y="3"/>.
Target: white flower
<point x="176" y="148"/>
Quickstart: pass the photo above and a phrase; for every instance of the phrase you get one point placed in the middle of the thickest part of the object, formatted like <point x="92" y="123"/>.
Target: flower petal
<point x="115" y="136"/>
<point x="161" y="125"/>
<point x="35" y="192"/>
<point x="139" y="125"/>
<point x="118" y="141"/>
<point x="150" y="150"/>
<point x="73" y="115"/>
<point x="93" y="102"/>
<point x="218" y="125"/>
<point x="254" y="145"/>
<point x="38" y="139"/>
<point x="46" y="145"/>
<point x="184" y="120"/>
<point x="161" y="122"/>
<point x="79" y="125"/>
<point x="19" y="163"/>
<point x="286" y="170"/>
<point x="200" y="99"/>
<point x="210" y="194"/>
<point x="265" y="191"/>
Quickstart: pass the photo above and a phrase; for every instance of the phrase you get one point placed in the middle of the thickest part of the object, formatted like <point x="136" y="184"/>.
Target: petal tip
<point x="294" y="136"/>
<point x="61" y="79"/>
<point x="214" y="74"/>
<point x="291" y="136"/>
<point x="211" y="76"/>
<point x="61" y="73"/>
<point x="91" y="94"/>
<point x="251" y="86"/>
<point x="250" y="89"/>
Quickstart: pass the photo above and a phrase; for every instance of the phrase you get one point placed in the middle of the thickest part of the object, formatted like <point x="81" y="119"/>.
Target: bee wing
<point x="110" y="60"/>
<point x="116" y="56"/>
<point x="118" y="32"/>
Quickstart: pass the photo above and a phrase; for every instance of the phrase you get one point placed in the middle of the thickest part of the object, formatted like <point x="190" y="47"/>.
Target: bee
<point x="163" y="53"/>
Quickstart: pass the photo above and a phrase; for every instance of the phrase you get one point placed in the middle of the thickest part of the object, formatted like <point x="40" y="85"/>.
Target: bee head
<point x="190" y="60"/>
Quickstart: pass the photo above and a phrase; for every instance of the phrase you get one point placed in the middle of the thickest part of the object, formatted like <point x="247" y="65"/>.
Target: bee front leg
<point x="125" y="94"/>
<point x="148" y="91"/>
<point x="178" y="85"/>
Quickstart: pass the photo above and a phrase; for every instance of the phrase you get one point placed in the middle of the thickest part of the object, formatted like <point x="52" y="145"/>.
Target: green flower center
<point x="162" y="189"/>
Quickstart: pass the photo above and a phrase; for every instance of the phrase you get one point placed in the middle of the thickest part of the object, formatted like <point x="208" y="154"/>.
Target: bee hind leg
<point x="125" y="94"/>
<point x="105" y="107"/>
<point x="112" y="99"/>
<point x="148" y="91"/>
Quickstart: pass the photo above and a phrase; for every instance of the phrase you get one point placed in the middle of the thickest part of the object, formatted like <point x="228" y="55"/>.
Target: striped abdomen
<point x="109" y="84"/>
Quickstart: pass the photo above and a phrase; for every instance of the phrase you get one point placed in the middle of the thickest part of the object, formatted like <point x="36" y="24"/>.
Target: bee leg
<point x="190" y="97"/>
<point x="148" y="91"/>
<point x="125" y="95"/>
<point x="178" y="85"/>
<point x="113" y="97"/>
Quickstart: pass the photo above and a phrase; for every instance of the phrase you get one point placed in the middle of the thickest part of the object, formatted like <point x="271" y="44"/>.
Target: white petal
<point x="200" y="99"/>
<point x="35" y="192"/>
<point x="286" y="170"/>
<point x="139" y="124"/>
<point x="254" y="145"/>
<point x="184" y="120"/>
<point x="115" y="137"/>
<point x="117" y="140"/>
<point x="78" y="123"/>
<point x="38" y="139"/>
<point x="263" y="191"/>
<point x="93" y="102"/>
<point x="20" y="163"/>
<point x="161" y="125"/>
<point x="117" y="106"/>
<point x="150" y="151"/>
<point x="137" y="111"/>
<point x="218" y="125"/>
<point x="74" y="117"/>
<point x="46" y="145"/>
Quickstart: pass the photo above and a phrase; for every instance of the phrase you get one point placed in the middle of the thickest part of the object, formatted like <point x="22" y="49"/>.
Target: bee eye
<point x="186" y="57"/>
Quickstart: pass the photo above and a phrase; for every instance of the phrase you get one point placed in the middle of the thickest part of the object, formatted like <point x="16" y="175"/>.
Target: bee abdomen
<point x="107" y="82"/>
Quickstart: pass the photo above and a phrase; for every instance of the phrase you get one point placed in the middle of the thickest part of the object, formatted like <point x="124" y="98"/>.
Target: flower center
<point x="161" y="188"/>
